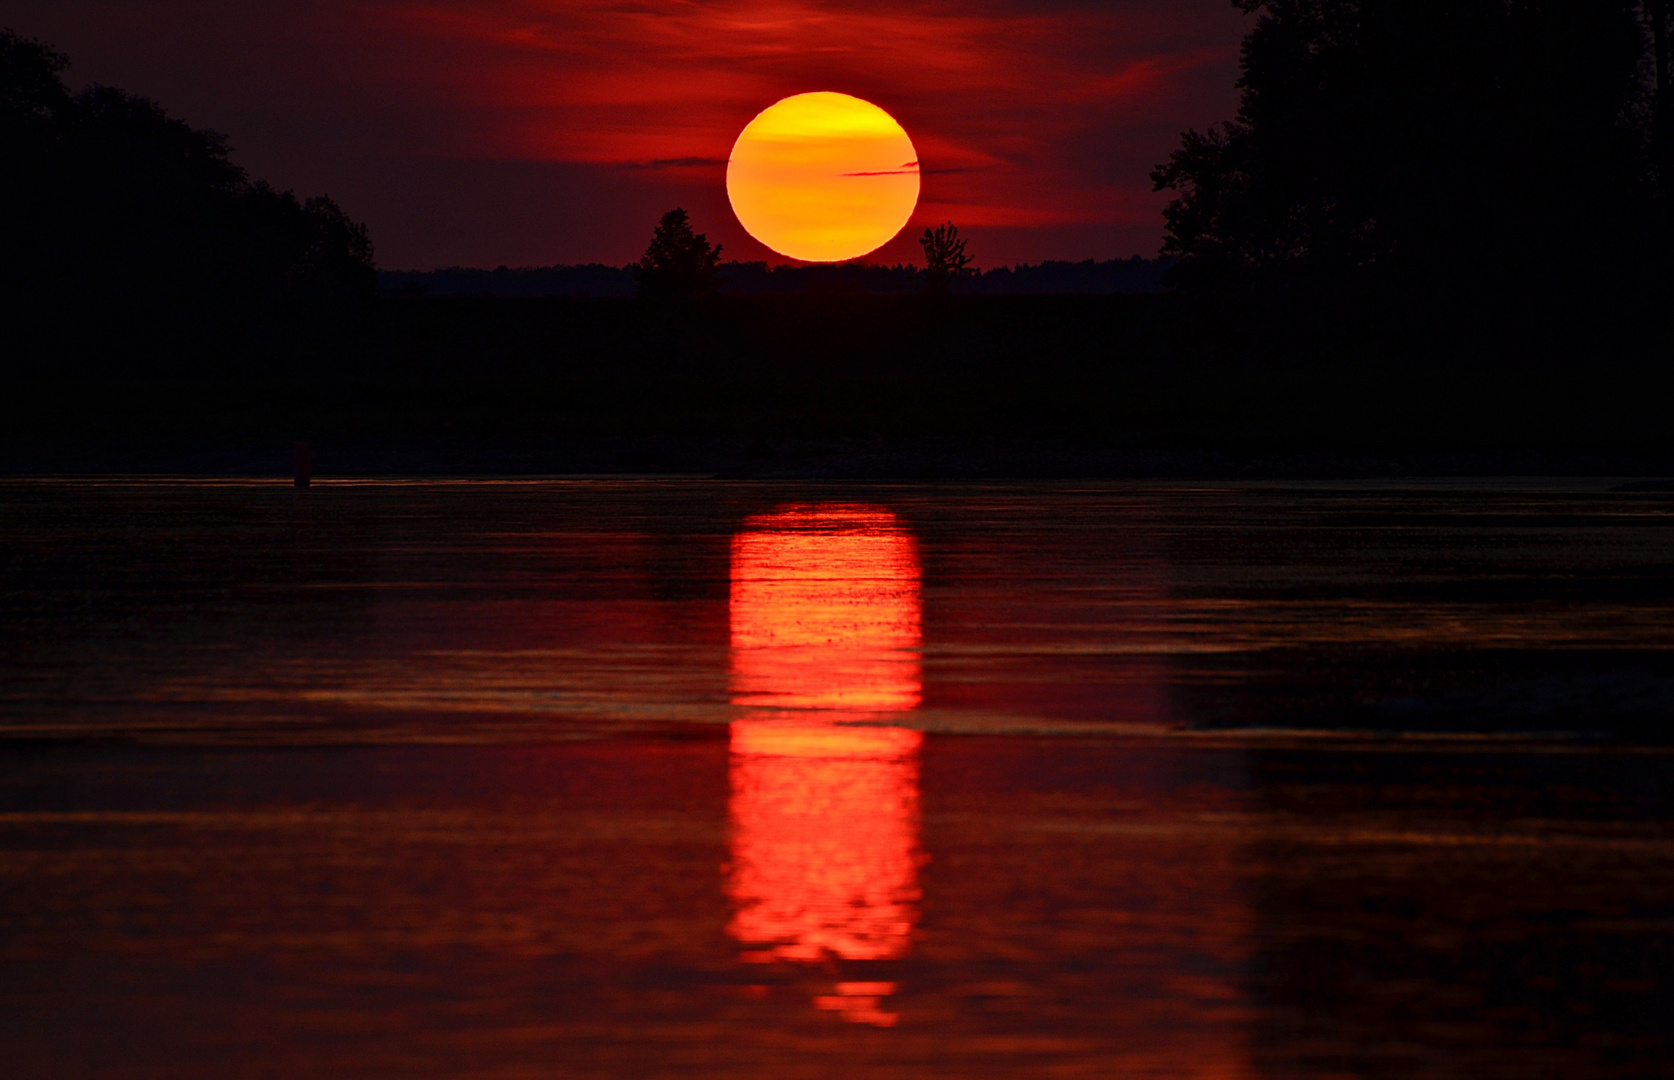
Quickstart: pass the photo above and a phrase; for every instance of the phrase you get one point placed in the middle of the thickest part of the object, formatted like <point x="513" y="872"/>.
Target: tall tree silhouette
<point x="32" y="94"/>
<point x="678" y="262"/>
<point x="944" y="257"/>
<point x="1419" y="149"/>
<point x="1659" y="18"/>
<point x="109" y="203"/>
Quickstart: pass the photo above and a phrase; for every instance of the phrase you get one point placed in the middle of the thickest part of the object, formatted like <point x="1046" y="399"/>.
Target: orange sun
<point x="823" y="177"/>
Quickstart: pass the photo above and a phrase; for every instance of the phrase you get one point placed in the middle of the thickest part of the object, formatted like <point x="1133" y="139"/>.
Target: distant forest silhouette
<point x="1088" y="277"/>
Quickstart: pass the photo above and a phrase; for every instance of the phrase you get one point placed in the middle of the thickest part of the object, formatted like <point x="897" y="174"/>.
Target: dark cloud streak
<point x="661" y="164"/>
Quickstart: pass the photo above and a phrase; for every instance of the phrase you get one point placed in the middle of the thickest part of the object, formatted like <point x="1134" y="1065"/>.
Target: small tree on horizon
<point x="944" y="257"/>
<point x="678" y="262"/>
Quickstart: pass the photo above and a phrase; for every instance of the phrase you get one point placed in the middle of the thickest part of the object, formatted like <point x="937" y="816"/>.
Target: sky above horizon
<point x="533" y="132"/>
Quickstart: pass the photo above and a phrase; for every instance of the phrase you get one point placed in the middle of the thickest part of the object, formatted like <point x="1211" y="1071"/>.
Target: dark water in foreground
<point x="733" y="780"/>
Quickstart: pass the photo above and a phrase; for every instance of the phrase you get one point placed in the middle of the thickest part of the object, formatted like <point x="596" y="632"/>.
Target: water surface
<point x="686" y="778"/>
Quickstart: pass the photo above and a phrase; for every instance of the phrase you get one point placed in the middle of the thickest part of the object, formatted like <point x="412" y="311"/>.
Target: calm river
<point x="698" y="779"/>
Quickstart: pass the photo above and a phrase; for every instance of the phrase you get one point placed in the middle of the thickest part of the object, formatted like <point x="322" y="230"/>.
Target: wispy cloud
<point x="535" y="130"/>
<point x="1034" y="107"/>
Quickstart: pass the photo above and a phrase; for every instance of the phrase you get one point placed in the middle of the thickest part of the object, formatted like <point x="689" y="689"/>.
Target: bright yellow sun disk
<point x="823" y="177"/>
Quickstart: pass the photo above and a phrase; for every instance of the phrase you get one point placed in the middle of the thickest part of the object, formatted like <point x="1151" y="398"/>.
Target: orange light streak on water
<point x="826" y="632"/>
<point x="826" y="612"/>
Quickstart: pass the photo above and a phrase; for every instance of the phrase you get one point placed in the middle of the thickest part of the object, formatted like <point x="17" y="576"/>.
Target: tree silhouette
<point x="1425" y="150"/>
<point x="944" y="257"/>
<point x="337" y="262"/>
<point x="110" y="204"/>
<point x="31" y="91"/>
<point x="1659" y="16"/>
<point x="678" y="262"/>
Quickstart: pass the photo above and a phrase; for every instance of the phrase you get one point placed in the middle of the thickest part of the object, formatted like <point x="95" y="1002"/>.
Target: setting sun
<point x="823" y="177"/>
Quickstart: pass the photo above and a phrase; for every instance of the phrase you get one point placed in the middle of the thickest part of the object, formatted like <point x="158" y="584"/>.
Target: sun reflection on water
<point x="825" y="651"/>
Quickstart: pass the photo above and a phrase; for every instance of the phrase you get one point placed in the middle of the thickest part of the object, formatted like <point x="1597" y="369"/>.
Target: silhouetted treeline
<point x="587" y="279"/>
<point x="860" y="384"/>
<point x="124" y="221"/>
<point x="1131" y="275"/>
<point x="1135" y="274"/>
<point x="1433" y="164"/>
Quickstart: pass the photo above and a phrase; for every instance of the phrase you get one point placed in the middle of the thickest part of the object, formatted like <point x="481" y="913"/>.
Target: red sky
<point x="531" y="132"/>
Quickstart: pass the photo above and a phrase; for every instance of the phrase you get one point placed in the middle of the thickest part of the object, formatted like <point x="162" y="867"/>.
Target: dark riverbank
<point x="1120" y="385"/>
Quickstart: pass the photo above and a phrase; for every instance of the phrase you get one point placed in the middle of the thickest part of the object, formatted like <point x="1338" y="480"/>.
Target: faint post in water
<point x="304" y="465"/>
